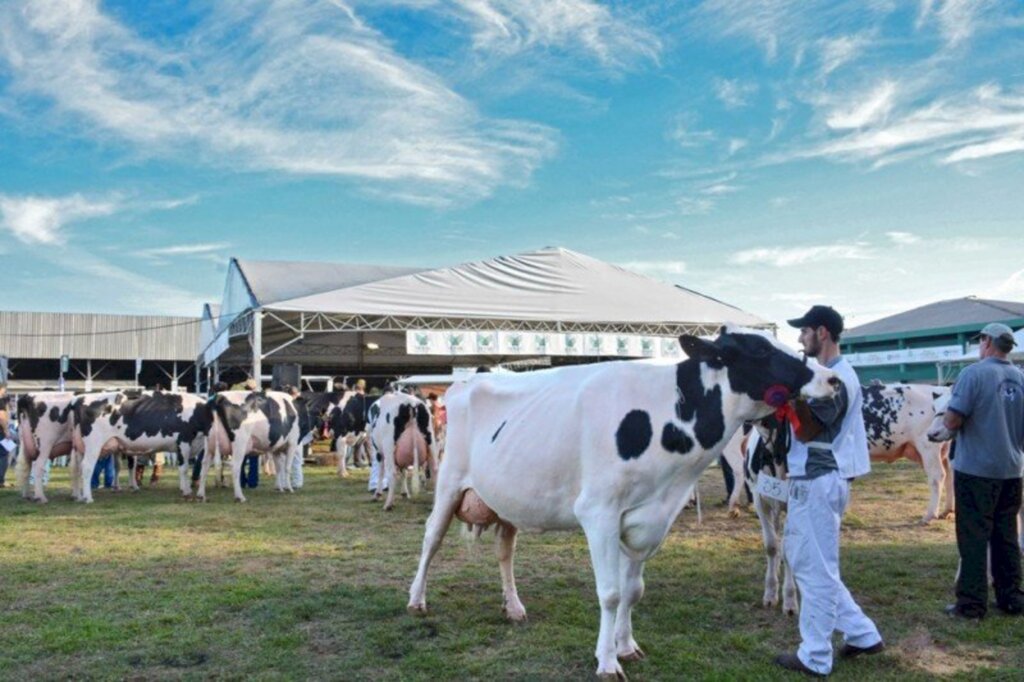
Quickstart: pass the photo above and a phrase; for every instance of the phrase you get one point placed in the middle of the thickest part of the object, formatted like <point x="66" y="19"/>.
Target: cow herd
<point x="545" y="450"/>
<point x="227" y="424"/>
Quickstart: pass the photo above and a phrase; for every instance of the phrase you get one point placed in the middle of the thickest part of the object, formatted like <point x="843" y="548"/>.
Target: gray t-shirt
<point x="990" y="397"/>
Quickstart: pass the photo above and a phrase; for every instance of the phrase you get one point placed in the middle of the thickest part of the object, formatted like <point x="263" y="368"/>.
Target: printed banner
<point x="468" y="342"/>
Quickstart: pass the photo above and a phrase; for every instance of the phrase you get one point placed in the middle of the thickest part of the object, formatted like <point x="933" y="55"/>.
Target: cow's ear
<point x="700" y="349"/>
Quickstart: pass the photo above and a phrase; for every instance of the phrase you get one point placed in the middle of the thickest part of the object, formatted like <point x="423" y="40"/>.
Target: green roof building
<point x="930" y="344"/>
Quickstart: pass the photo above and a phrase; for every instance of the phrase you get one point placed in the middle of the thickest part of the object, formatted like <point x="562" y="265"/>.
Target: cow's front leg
<point x="237" y="457"/>
<point x="631" y="590"/>
<point x="505" y="545"/>
<point x="89" y="460"/>
<point x="75" y="466"/>
<point x="341" y="450"/>
<point x="931" y="461"/>
<point x="392" y="474"/>
<point x="949" y="502"/>
<point x="38" y="471"/>
<point x="772" y="553"/>
<point x="184" y="473"/>
<point x="602" y="529"/>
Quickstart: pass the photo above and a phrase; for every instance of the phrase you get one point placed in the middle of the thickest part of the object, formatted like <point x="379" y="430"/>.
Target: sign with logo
<point x="589" y="344"/>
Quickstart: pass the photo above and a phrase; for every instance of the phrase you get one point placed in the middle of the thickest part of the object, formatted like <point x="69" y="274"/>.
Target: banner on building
<point x="583" y="344"/>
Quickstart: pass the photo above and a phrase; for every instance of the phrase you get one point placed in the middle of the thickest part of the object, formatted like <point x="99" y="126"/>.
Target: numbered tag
<point x="771" y="487"/>
<point x="7" y="444"/>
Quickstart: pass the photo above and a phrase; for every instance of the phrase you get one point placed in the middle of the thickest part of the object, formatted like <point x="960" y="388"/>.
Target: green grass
<point x="314" y="585"/>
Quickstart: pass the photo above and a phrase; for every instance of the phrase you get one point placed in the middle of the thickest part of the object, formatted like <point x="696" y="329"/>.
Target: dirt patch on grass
<point x="920" y="651"/>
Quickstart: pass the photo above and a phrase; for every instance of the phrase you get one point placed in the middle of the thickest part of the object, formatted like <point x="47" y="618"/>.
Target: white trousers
<point x="376" y="471"/>
<point x="296" y="472"/>
<point x="811" y="544"/>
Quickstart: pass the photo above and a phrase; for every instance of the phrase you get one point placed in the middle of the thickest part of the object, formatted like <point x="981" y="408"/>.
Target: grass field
<point x="314" y="585"/>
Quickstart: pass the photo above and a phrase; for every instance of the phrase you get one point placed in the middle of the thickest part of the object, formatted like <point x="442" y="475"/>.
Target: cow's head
<point x="937" y="431"/>
<point x="755" y="362"/>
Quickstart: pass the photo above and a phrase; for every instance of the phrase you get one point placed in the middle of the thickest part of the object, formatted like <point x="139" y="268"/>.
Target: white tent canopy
<point x="552" y="284"/>
<point x="358" y="315"/>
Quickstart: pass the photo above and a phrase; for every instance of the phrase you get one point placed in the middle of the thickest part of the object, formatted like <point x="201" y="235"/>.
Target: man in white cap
<point x="986" y="411"/>
<point x="820" y="472"/>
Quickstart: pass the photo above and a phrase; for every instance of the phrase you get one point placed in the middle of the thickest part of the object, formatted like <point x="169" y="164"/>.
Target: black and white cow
<point x="44" y="431"/>
<point x="264" y="422"/>
<point x="555" y="449"/>
<point x="897" y="418"/>
<point x="766" y="449"/>
<point x="117" y="422"/>
<point x="348" y="425"/>
<point x="403" y="437"/>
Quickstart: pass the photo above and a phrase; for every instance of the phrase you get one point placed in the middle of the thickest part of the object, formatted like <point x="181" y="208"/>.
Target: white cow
<point x="266" y="422"/>
<point x="938" y="433"/>
<point x="116" y="422"/>
<point x="555" y="449"/>
<point x="402" y="434"/>
<point x="897" y="418"/>
<point x="44" y="431"/>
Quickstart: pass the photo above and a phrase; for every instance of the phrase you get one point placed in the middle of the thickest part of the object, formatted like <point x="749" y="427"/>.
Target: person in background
<point x="7" y="442"/>
<point x="986" y="412"/>
<point x="820" y="472"/>
<point x="306" y="435"/>
<point x="106" y="466"/>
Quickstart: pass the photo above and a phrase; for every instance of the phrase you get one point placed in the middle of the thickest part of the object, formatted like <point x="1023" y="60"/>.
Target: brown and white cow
<point x="139" y="423"/>
<point x="264" y="422"/>
<point x="554" y="449"/>
<point x="897" y="418"/>
<point x="44" y="428"/>
<point x="402" y="434"/>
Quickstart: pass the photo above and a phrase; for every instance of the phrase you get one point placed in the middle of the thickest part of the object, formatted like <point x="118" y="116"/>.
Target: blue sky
<point x="772" y="153"/>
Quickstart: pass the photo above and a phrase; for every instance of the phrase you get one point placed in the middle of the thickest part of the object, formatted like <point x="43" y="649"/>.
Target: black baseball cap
<point x="820" y="316"/>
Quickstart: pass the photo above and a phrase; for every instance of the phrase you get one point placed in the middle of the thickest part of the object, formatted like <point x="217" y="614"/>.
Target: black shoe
<point x="1012" y="607"/>
<point x="954" y="611"/>
<point x="793" y="662"/>
<point x="851" y="651"/>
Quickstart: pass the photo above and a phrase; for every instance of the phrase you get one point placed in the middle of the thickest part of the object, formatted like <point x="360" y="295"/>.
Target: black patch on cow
<point x="936" y="396"/>
<point x="402" y="418"/>
<point x="697" y="403"/>
<point x="634" y="434"/>
<point x="87" y="412"/>
<point x="881" y="412"/>
<point x="164" y="415"/>
<point x="495" y="436"/>
<point x="423" y="423"/>
<point x="675" y="439"/>
<point x="387" y="417"/>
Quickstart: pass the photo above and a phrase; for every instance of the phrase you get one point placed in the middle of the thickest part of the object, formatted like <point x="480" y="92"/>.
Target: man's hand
<point x="952" y="420"/>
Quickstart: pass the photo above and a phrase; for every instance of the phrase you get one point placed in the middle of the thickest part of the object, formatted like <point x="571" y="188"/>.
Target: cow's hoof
<point x="618" y="675"/>
<point x="516" y="613"/>
<point x="637" y="654"/>
<point x="946" y="514"/>
<point x="734" y="513"/>
<point x="791" y="611"/>
<point x="87" y="500"/>
<point x="40" y="500"/>
<point x="389" y="507"/>
<point x="417" y="609"/>
<point x="769" y="603"/>
<point x="240" y="500"/>
<point x="926" y="519"/>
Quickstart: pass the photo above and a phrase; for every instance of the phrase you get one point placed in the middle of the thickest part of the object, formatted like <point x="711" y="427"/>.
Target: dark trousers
<point x="4" y="458"/>
<point x="986" y="518"/>
<point x="251" y="471"/>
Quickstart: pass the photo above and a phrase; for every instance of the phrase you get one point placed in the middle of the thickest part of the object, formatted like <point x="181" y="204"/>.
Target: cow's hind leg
<point x="931" y="461"/>
<point x="631" y="590"/>
<point x="184" y="473"/>
<point x="237" y="457"/>
<point x="506" y="548"/>
<point x="38" y="472"/>
<point x="949" y="501"/>
<point x="445" y="503"/>
<point x="790" y="601"/>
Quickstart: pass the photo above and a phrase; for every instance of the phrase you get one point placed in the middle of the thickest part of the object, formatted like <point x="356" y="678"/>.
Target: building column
<point x="257" y="347"/>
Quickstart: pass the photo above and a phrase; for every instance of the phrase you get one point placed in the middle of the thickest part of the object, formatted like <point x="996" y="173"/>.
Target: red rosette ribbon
<point x="778" y="396"/>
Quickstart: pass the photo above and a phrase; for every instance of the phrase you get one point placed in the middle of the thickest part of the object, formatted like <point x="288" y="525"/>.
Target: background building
<point x="927" y="344"/>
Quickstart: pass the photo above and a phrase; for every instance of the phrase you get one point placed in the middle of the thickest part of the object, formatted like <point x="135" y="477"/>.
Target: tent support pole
<point x="257" y="348"/>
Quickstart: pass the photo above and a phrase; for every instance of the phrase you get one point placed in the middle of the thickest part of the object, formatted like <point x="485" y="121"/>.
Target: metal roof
<point x="98" y="336"/>
<point x="957" y="312"/>
<point x="271" y="281"/>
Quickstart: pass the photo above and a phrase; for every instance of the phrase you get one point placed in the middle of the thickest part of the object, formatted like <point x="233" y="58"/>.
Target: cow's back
<point x="897" y="417"/>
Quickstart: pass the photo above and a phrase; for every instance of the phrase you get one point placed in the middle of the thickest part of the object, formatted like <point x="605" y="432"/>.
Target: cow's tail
<point x="416" y="466"/>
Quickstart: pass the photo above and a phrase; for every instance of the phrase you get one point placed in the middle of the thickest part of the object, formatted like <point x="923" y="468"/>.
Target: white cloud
<point x="694" y="205"/>
<point x="957" y="19"/>
<point x="839" y="50"/>
<point x="865" y="109"/>
<point x="295" y="86"/>
<point x="719" y="189"/>
<point x="733" y="93"/>
<point x="41" y="220"/>
<point x="510" y="26"/>
<point x="903" y="238"/>
<point x="784" y="257"/>
<point x="736" y="144"/>
<point x="200" y="250"/>
<point x="684" y="136"/>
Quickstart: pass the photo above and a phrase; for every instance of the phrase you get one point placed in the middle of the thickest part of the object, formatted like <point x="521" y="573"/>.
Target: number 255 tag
<point x="772" y="487"/>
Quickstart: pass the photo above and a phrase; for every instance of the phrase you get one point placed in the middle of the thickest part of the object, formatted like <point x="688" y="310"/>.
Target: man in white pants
<point x="820" y="472"/>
